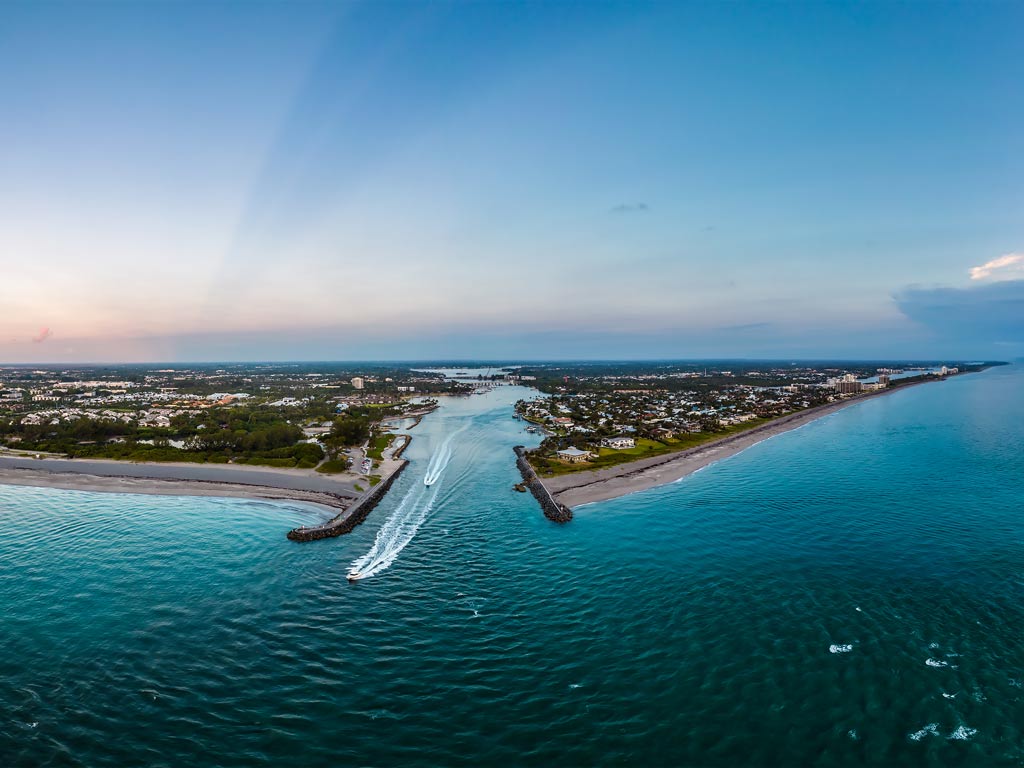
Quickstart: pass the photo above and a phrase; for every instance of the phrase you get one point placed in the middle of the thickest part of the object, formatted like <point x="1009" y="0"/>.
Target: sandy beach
<point x="175" y="479"/>
<point x="600" y="485"/>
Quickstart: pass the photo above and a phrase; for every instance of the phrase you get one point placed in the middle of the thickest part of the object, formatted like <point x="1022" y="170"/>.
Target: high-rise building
<point x="358" y="382"/>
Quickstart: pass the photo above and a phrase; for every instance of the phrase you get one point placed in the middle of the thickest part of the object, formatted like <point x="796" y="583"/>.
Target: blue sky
<point x="388" y="180"/>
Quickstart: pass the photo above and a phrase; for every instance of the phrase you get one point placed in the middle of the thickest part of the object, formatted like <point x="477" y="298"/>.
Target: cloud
<point x="631" y="208"/>
<point x="43" y="335"/>
<point x="982" y="315"/>
<point x="746" y="327"/>
<point x="1007" y="266"/>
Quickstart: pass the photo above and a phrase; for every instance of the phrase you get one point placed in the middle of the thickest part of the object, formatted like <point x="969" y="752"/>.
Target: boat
<point x="354" y="576"/>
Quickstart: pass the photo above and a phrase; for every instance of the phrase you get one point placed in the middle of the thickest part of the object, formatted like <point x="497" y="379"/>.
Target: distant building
<point x="154" y="420"/>
<point x="883" y="380"/>
<point x="358" y="382"/>
<point x="849" y="387"/>
<point x="619" y="443"/>
<point x="573" y="455"/>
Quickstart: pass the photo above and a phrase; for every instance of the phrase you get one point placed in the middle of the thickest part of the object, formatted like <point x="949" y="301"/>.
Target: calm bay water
<point x="850" y="593"/>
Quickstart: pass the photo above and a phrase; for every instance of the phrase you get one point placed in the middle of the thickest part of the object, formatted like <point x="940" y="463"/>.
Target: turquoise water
<point x="807" y="602"/>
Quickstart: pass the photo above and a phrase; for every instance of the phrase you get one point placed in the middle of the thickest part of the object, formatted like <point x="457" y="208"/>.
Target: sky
<point x="337" y="181"/>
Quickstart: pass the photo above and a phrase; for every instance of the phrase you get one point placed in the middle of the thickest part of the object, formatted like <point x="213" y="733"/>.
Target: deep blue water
<point x="704" y="623"/>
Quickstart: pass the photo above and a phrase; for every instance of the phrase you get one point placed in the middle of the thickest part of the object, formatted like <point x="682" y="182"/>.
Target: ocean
<point x="849" y="593"/>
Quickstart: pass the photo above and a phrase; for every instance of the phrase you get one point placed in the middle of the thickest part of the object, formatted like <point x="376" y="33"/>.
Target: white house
<point x="619" y="442"/>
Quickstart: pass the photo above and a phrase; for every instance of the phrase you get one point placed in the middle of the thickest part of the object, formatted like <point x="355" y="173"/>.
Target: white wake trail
<point x="440" y="460"/>
<point x="410" y="514"/>
<point x="395" y="536"/>
<point x="387" y="533"/>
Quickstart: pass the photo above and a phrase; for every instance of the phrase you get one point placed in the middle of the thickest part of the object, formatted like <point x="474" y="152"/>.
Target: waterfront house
<point x="573" y="455"/>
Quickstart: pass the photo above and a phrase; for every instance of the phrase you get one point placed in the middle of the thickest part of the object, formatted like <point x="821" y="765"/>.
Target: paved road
<point x="215" y="473"/>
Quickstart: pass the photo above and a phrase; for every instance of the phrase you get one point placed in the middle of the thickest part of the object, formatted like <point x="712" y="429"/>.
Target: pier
<point x="351" y="517"/>
<point x="558" y="513"/>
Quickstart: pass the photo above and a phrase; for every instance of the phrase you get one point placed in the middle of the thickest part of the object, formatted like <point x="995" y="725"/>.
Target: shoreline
<point x="576" y="489"/>
<point x="333" y="492"/>
<point x="81" y="480"/>
<point x="344" y="497"/>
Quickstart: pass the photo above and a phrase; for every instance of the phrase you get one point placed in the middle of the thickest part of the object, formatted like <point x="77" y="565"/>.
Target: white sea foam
<point x="949" y="695"/>
<point x="852" y="733"/>
<point x="963" y="733"/>
<point x="930" y="729"/>
<point x="840" y="648"/>
<point x="937" y="663"/>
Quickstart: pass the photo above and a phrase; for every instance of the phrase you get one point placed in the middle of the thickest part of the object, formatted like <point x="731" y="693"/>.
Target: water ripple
<point x="692" y="624"/>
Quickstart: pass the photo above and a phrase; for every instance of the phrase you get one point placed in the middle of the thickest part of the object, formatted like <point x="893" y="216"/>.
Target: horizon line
<point x="508" y="361"/>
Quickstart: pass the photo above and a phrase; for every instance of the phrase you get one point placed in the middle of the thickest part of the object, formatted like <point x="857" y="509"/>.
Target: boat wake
<point x="410" y="514"/>
<point x="396" y="533"/>
<point x="439" y="461"/>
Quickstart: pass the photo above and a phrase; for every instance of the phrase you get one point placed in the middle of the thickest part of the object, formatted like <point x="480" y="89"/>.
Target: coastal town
<point x="596" y="419"/>
<point x="326" y="434"/>
<point x="283" y="416"/>
<point x="309" y="416"/>
<point x="334" y="434"/>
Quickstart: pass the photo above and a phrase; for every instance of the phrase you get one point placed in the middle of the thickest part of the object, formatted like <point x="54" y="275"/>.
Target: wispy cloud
<point x="745" y="327"/>
<point x="1006" y="267"/>
<point x="43" y="335"/>
<point x="631" y="208"/>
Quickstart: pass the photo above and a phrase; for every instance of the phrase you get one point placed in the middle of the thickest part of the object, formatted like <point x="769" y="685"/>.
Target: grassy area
<point x="359" y="488"/>
<point x="332" y="467"/>
<point x="645" y="449"/>
<point x="288" y="463"/>
<point x="378" y="444"/>
<point x="374" y="479"/>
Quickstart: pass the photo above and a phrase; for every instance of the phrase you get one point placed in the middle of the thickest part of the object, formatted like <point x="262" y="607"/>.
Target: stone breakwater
<point x="351" y="517"/>
<point x="553" y="511"/>
<point x="401" y="449"/>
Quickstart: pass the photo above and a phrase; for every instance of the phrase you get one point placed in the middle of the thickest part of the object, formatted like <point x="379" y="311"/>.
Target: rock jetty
<point x="553" y="511"/>
<point x="352" y="516"/>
